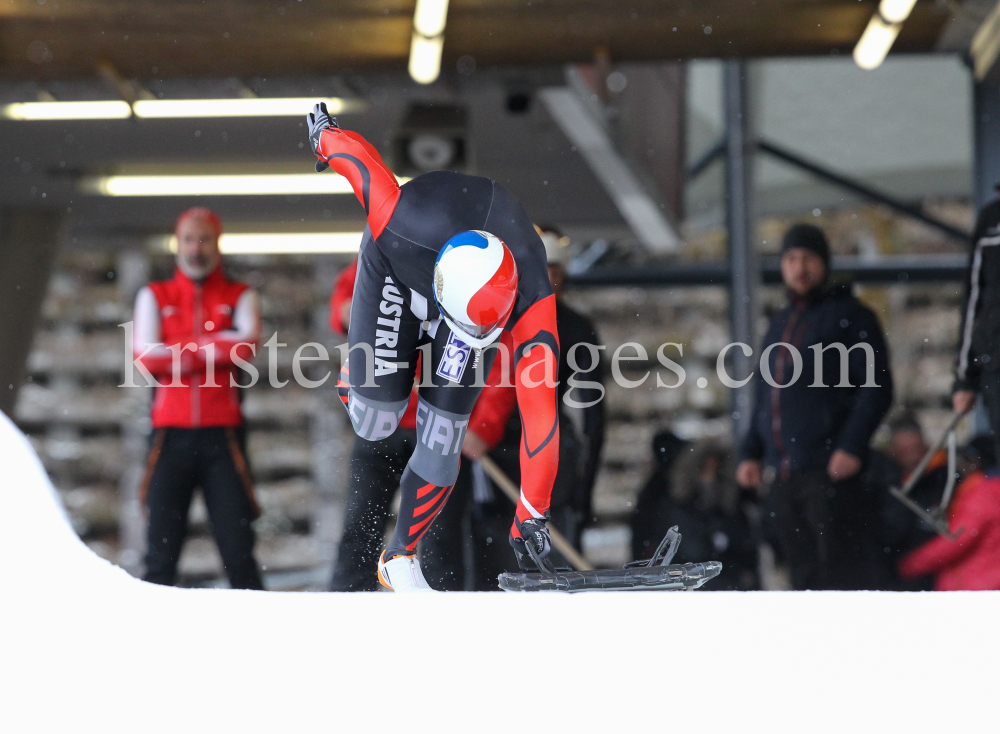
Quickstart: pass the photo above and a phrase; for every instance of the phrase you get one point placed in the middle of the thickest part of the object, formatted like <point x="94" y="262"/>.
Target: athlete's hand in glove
<point x="536" y="533"/>
<point x="319" y="120"/>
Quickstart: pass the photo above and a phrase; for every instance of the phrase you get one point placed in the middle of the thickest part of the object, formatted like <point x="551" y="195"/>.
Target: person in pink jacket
<point x="971" y="562"/>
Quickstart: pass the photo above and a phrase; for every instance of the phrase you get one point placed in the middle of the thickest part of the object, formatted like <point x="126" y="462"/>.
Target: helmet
<point x="475" y="286"/>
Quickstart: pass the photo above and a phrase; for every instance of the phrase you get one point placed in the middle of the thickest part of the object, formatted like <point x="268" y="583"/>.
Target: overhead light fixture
<point x="236" y="185"/>
<point x="875" y="42"/>
<point x="895" y="11"/>
<point x="175" y="108"/>
<point x="106" y="110"/>
<point x="425" y="58"/>
<point x="243" y="107"/>
<point x="279" y="243"/>
<point x="427" y="43"/>
<point x="430" y="17"/>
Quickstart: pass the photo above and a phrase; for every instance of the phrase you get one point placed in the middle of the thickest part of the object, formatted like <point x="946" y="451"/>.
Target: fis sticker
<point x="455" y="358"/>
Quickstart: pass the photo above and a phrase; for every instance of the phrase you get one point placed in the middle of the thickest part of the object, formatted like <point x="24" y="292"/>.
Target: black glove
<point x="319" y="120"/>
<point x="535" y="533"/>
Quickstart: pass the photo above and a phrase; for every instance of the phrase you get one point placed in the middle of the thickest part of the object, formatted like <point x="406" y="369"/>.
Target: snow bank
<point x="84" y="647"/>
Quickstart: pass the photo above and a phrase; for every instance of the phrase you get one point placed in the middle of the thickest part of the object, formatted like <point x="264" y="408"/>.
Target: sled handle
<point x="514" y="494"/>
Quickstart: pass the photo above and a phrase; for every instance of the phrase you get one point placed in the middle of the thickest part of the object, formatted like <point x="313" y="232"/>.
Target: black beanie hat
<point x="808" y="237"/>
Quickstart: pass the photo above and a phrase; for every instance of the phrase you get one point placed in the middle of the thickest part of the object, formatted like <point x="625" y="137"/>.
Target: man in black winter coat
<point x="812" y="422"/>
<point x="977" y="368"/>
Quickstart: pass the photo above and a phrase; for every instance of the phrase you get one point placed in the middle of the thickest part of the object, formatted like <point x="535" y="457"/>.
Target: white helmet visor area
<point x="465" y="331"/>
<point x="475" y="330"/>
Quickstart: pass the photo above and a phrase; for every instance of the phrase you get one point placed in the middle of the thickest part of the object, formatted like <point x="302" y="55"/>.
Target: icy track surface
<point x="86" y="648"/>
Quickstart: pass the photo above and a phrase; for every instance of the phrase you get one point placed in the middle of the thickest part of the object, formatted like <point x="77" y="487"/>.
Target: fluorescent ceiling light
<point x="175" y="108"/>
<point x="430" y="17"/>
<point x="875" y="43"/>
<point x="896" y="11"/>
<point x="108" y="110"/>
<point x="282" y="243"/>
<point x="249" y="185"/>
<point x="244" y="107"/>
<point x="425" y="58"/>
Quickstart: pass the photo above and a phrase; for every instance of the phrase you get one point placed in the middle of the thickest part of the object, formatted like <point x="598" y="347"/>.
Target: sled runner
<point x="937" y="518"/>
<point x="656" y="574"/>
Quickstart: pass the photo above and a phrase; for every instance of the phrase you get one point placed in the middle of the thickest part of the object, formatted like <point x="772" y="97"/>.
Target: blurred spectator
<point x="701" y="498"/>
<point x="971" y="561"/>
<point x="581" y="429"/>
<point x="901" y="529"/>
<point x="495" y="428"/>
<point x="815" y="439"/>
<point x="979" y="455"/>
<point x="651" y="517"/>
<point x="977" y="366"/>
<point x="187" y="333"/>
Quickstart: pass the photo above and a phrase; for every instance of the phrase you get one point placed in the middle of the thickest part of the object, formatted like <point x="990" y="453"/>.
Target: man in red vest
<point x="190" y="335"/>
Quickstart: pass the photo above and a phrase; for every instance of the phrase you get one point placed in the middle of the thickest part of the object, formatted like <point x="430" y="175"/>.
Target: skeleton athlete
<point x="448" y="264"/>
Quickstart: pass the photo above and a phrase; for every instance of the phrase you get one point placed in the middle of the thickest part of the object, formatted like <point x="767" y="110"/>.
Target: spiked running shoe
<point x="402" y="574"/>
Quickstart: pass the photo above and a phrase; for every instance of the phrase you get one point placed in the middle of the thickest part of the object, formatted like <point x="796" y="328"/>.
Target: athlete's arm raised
<point x="355" y="159"/>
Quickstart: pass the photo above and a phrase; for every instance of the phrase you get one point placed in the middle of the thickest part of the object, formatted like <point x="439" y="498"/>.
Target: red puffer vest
<point x="192" y="314"/>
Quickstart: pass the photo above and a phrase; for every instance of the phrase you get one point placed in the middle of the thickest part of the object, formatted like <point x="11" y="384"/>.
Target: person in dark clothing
<point x="651" y="517"/>
<point x="823" y="388"/>
<point x="901" y="530"/>
<point x="703" y="501"/>
<point x="977" y="365"/>
<point x="581" y="410"/>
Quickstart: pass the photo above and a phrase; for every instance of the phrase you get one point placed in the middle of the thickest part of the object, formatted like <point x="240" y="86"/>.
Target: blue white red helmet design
<point x="475" y="286"/>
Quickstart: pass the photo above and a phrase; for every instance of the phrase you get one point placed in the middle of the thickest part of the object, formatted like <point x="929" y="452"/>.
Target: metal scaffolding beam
<point x="894" y="270"/>
<point x="744" y="267"/>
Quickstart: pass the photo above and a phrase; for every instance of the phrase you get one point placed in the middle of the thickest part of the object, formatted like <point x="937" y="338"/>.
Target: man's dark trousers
<point x="181" y="460"/>
<point x="824" y="530"/>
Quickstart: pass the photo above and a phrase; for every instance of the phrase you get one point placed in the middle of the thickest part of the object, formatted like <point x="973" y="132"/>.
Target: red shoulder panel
<point x="354" y="158"/>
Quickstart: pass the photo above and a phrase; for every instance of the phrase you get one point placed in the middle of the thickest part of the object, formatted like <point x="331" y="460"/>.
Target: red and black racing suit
<point x="394" y="314"/>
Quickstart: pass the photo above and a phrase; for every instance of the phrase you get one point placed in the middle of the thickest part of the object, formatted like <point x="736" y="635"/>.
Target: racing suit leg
<point x="442" y="550"/>
<point x="457" y="376"/>
<point x="376" y="467"/>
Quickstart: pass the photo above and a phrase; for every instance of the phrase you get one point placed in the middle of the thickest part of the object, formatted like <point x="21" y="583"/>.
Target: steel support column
<point x="743" y="261"/>
<point x="28" y="242"/>
<point x="986" y="171"/>
<point x="986" y="150"/>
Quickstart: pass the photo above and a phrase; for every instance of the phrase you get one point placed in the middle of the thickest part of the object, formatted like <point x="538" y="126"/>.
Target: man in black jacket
<point x="812" y="422"/>
<point x="977" y="368"/>
<point x="581" y="409"/>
